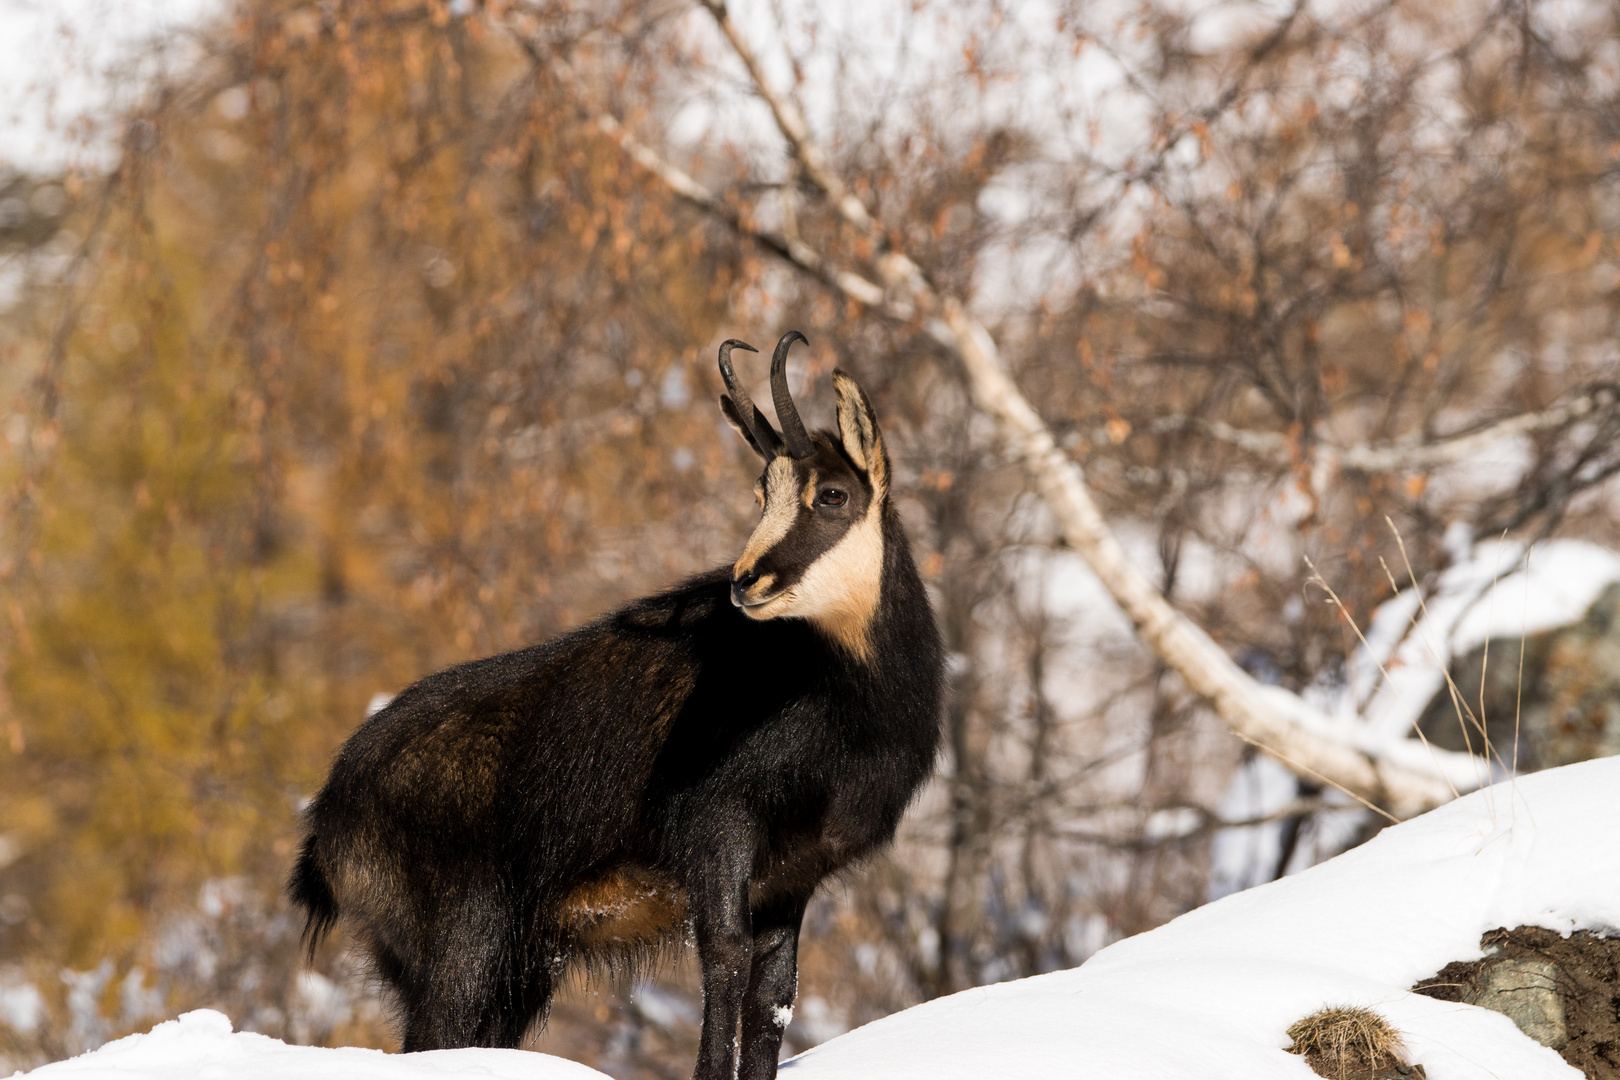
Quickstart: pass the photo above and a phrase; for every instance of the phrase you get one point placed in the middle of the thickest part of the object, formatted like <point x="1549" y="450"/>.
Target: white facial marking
<point x="781" y="510"/>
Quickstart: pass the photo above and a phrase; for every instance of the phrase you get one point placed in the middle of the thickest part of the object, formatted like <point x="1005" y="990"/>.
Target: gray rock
<point x="1526" y="992"/>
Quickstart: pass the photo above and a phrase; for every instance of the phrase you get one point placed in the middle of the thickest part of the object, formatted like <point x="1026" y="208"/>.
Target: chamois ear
<point x="729" y="409"/>
<point x="858" y="430"/>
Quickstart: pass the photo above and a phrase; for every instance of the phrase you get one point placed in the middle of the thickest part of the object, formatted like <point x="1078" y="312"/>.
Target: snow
<point x="202" y="1044"/>
<point x="1243" y="857"/>
<point x="22" y="1006"/>
<point x="1494" y="591"/>
<point x="1206" y="996"/>
<point x="1210" y="994"/>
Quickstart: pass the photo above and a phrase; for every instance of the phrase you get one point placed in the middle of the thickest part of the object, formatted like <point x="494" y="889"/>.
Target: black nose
<point x="740" y="584"/>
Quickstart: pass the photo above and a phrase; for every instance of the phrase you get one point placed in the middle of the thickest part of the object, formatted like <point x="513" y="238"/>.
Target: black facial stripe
<point x="812" y="536"/>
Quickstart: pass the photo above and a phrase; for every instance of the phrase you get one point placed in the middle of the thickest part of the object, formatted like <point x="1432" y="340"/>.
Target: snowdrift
<point x="1206" y="996"/>
<point x="202" y="1045"/>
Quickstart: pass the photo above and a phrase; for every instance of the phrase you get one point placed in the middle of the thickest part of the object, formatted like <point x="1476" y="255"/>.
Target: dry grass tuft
<point x="1345" y="1042"/>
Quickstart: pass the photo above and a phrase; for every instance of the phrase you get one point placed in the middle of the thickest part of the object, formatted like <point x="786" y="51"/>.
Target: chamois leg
<point x="476" y="1003"/>
<point x="522" y="996"/>
<point x="448" y="1008"/>
<point x="475" y="991"/>
<point x="772" y="985"/>
<point x="725" y="943"/>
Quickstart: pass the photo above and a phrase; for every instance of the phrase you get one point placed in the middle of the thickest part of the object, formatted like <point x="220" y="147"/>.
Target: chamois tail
<point x="309" y="889"/>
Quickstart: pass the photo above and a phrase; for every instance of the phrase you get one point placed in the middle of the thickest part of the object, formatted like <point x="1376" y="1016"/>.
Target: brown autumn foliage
<point x="374" y="354"/>
<point x="371" y="355"/>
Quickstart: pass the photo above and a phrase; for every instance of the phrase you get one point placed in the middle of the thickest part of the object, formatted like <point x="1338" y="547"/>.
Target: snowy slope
<point x="1210" y="994"/>
<point x="1204" y="997"/>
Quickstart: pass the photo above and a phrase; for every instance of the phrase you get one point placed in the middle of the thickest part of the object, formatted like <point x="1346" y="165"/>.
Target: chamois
<point x="696" y="762"/>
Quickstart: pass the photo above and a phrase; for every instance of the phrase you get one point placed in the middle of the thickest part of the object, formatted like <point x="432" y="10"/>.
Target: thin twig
<point x="1306" y="769"/>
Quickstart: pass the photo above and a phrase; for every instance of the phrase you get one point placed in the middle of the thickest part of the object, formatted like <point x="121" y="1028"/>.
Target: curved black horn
<point x="793" y="433"/>
<point x="764" y="435"/>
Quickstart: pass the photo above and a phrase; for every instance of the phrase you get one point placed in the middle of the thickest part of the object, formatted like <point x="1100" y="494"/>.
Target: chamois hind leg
<point x="523" y="992"/>
<point x="773" y="982"/>
<point x="500" y="1017"/>
<point x="476" y="990"/>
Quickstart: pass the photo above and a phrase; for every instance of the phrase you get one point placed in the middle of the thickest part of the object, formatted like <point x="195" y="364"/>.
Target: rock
<point x="1526" y="992"/>
<point x="1568" y="706"/>
<point x="1561" y="991"/>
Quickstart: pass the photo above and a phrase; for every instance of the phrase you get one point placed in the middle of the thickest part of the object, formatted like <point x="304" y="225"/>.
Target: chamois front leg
<point x="772" y="985"/>
<point x="725" y="942"/>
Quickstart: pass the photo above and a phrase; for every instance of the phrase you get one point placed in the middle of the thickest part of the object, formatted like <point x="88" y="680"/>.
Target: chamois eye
<point x="832" y="497"/>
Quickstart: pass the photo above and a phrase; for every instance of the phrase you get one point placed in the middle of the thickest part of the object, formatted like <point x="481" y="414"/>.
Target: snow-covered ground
<point x="1206" y="996"/>
<point x="1210" y="994"/>
<point x="202" y="1045"/>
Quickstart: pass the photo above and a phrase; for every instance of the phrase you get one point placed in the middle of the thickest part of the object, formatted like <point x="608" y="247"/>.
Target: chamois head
<point x="817" y="553"/>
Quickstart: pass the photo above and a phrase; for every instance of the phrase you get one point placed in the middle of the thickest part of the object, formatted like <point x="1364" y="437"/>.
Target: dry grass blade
<point x="1518" y="692"/>
<point x="1306" y="770"/>
<point x="1318" y="580"/>
<point x="1465" y="715"/>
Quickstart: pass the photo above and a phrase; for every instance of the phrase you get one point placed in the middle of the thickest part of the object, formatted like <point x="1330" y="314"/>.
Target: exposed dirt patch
<point x="1583" y="971"/>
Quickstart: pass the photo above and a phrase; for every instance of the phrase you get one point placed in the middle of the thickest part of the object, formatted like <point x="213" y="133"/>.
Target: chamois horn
<point x="793" y="433"/>
<point x="747" y="411"/>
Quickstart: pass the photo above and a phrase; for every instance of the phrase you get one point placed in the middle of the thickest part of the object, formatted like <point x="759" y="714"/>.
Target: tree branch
<point x="792" y="126"/>
<point x="1391" y="457"/>
<point x="1208" y="822"/>
<point x="1402" y="455"/>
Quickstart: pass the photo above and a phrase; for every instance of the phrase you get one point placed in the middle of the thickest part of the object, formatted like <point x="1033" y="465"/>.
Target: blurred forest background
<point x="380" y="344"/>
